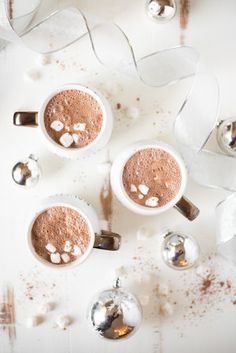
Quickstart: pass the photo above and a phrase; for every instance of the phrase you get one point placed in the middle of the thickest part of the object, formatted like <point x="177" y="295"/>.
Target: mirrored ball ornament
<point x="115" y="314"/>
<point x="161" y="11"/>
<point x="26" y="172"/>
<point x="180" y="251"/>
<point x="226" y="136"/>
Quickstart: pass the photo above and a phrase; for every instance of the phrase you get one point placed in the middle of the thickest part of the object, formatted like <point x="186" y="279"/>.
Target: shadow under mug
<point x="180" y="202"/>
<point x="99" y="239"/>
<point x="36" y="119"/>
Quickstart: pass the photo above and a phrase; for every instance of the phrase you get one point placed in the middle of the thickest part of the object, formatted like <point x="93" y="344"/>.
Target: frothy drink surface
<point x="152" y="177"/>
<point x="60" y="235"/>
<point x="73" y="118"/>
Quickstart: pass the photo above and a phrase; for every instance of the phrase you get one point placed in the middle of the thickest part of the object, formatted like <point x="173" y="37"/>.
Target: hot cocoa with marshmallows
<point x="73" y="118"/>
<point x="152" y="177"/>
<point x="60" y="235"/>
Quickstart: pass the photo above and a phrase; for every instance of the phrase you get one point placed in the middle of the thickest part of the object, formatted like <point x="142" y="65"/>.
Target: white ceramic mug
<point x="37" y="119"/>
<point x="99" y="239"/>
<point x="179" y="201"/>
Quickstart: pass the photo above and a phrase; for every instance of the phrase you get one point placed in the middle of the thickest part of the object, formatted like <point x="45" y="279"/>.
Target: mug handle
<point x="29" y="119"/>
<point x="107" y="241"/>
<point x="187" y="208"/>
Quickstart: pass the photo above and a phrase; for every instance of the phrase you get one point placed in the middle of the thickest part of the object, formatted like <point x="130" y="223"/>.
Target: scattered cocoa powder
<point x="10" y="9"/>
<point x="36" y="288"/>
<point x="184" y="16"/>
<point x="118" y="106"/>
<point x="206" y="283"/>
<point x="184" y="13"/>
<point x="7" y="314"/>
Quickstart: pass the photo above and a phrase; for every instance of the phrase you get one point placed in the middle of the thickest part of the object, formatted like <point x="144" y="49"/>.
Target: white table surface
<point x="208" y="327"/>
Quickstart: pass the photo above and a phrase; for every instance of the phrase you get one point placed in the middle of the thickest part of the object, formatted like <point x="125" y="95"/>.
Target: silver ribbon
<point x="226" y="228"/>
<point x="197" y="118"/>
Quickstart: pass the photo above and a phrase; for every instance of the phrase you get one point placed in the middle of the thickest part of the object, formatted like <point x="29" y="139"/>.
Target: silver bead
<point x="26" y="172"/>
<point x="226" y="136"/>
<point x="180" y="251"/>
<point x="161" y="11"/>
<point x="115" y="314"/>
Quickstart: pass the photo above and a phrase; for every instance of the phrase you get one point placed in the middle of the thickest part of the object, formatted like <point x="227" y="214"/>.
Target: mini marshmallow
<point x="79" y="127"/>
<point x="66" y="140"/>
<point x="203" y="271"/>
<point x="140" y="196"/>
<point x="55" y="258"/>
<point x="46" y="308"/>
<point x="163" y="289"/>
<point x="43" y="59"/>
<point x="57" y="125"/>
<point x="120" y="271"/>
<point x="143" y="233"/>
<point x="77" y="251"/>
<point x="51" y="248"/>
<point x="67" y="246"/>
<point x="152" y="201"/>
<point x="75" y="138"/>
<point x="63" y="321"/>
<point x="133" y="188"/>
<point x="65" y="258"/>
<point x="167" y="309"/>
<point x="104" y="168"/>
<point x="32" y="75"/>
<point x="143" y="189"/>
<point x="144" y="299"/>
<point x="34" y="320"/>
<point x="133" y="112"/>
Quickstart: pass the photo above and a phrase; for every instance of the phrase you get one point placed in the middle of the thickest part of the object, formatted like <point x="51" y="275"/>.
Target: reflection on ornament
<point x="26" y="172"/>
<point x="115" y="313"/>
<point x="179" y="251"/>
<point x="226" y="136"/>
<point x="161" y="11"/>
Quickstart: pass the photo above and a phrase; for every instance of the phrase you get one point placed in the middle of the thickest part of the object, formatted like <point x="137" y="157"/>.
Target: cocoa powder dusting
<point x="7" y="314"/>
<point x="106" y="202"/>
<point x="10" y="9"/>
<point x="184" y="13"/>
<point x="184" y="16"/>
<point x="206" y="293"/>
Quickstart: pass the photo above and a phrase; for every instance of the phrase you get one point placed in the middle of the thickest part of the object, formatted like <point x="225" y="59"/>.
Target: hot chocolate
<point x="60" y="235"/>
<point x="73" y="118"/>
<point x="152" y="177"/>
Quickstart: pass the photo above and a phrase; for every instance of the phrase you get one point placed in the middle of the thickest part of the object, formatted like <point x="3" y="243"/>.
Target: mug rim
<point x="73" y="152"/>
<point x="46" y="263"/>
<point x="120" y="163"/>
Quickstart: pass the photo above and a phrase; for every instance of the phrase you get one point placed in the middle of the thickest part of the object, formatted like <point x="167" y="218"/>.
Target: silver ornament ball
<point x="115" y="314"/>
<point x="180" y="251"/>
<point x="26" y="172"/>
<point x="226" y="136"/>
<point x="161" y="11"/>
